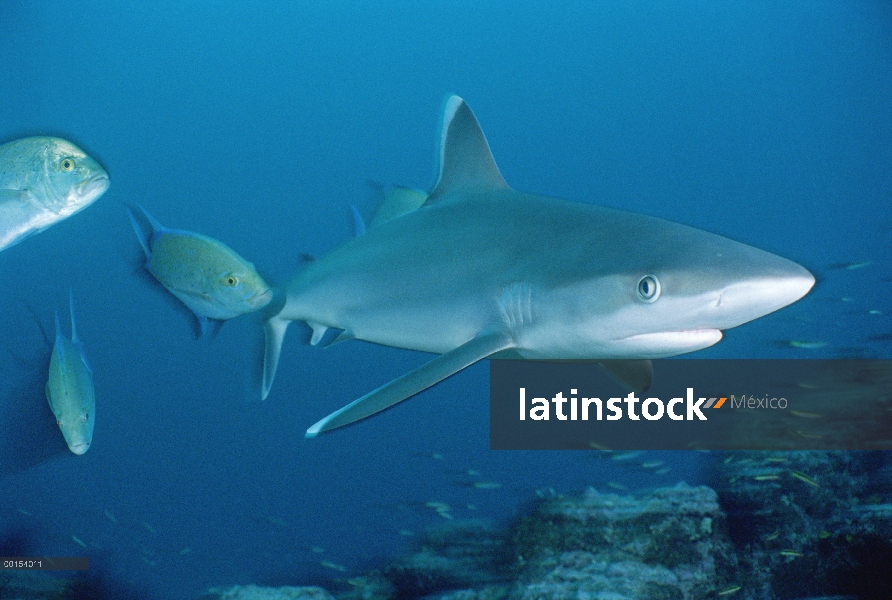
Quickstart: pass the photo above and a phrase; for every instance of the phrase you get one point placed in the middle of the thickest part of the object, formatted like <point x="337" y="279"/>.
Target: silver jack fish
<point x="481" y="270"/>
<point x="69" y="389"/>
<point x="44" y="180"/>
<point x="208" y="276"/>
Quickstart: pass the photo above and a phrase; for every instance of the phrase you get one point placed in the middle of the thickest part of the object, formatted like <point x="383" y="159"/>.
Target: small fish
<point x="148" y="527"/>
<point x="806" y="415"/>
<point x="663" y="471"/>
<point x="185" y="551"/>
<point x="807" y="345"/>
<point x="652" y="464"/>
<point x="776" y="459"/>
<point x="78" y="541"/>
<point x="206" y="275"/>
<point x="25" y="512"/>
<point x="111" y="517"/>
<point x="851" y="266"/>
<point x="773" y="536"/>
<point x="766" y="477"/>
<point x="44" y="180"/>
<point x="487" y="485"/>
<point x="808" y="386"/>
<point x="317" y="550"/>
<point x="69" y="388"/>
<point x="791" y="553"/>
<point x="805" y="478"/>
<point x="616" y="486"/>
<point x="330" y="565"/>
<point x="874" y="312"/>
<point x="730" y="590"/>
<point x="627" y="455"/>
<point x="407" y="532"/>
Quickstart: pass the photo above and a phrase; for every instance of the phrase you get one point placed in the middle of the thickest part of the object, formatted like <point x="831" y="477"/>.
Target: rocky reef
<point x="770" y="526"/>
<point x="809" y="524"/>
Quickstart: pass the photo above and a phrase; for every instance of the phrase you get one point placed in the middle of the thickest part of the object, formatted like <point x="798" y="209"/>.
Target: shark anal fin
<point x="466" y="162"/>
<point x="318" y="332"/>
<point x="485" y="344"/>
<point x="274" y="331"/>
<point x="634" y="374"/>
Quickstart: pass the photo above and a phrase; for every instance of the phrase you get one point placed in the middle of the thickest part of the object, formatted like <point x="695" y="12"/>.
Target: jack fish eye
<point x="230" y="280"/>
<point x="648" y="288"/>
<point x="67" y="164"/>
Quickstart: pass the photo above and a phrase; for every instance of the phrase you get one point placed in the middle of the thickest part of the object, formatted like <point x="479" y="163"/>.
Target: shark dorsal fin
<point x="466" y="163"/>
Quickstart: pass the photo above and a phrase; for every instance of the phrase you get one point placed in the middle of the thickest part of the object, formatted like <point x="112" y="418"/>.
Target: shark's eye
<point x="86" y="417"/>
<point x="67" y="164"/>
<point x="230" y="280"/>
<point x="648" y="288"/>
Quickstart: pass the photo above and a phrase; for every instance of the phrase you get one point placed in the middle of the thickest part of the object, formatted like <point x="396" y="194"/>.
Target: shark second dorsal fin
<point x="466" y="163"/>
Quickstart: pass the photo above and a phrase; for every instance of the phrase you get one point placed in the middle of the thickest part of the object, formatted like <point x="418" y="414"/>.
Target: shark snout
<point x="754" y="297"/>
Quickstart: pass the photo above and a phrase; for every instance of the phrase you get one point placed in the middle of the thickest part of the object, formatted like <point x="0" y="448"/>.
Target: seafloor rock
<point x="670" y="543"/>
<point x="254" y="592"/>
<point x="799" y="525"/>
<point x="456" y="555"/>
<point x="810" y="523"/>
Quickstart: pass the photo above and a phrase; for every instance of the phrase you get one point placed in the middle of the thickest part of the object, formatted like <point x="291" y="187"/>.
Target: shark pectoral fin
<point x="635" y="374"/>
<point x="466" y="162"/>
<point x="485" y="344"/>
<point x="274" y="331"/>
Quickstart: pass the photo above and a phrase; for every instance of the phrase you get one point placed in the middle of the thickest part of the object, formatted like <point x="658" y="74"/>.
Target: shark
<point x="480" y="270"/>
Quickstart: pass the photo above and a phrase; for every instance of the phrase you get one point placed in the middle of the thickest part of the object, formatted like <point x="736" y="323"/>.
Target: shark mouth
<point x="669" y="343"/>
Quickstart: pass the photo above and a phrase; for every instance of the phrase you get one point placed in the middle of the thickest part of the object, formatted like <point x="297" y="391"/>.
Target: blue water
<point x="261" y="123"/>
